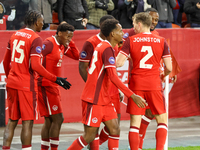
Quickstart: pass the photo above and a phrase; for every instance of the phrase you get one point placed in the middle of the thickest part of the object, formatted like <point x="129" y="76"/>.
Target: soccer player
<point x="146" y="50"/>
<point x="54" y="48"/>
<point x="22" y="66"/>
<point x="84" y="61"/>
<point x="96" y="103"/>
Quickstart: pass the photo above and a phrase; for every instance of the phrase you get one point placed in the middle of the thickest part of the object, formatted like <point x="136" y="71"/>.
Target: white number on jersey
<point x="146" y="57"/>
<point x="16" y="47"/>
<point x="92" y="68"/>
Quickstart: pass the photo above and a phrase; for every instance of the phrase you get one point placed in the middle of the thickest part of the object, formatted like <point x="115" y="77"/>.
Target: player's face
<point x="39" y="24"/>
<point x="65" y="37"/>
<point x="119" y="33"/>
<point x="155" y="18"/>
<point x="1" y="9"/>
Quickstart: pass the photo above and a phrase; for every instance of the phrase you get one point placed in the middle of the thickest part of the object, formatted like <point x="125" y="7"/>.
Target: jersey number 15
<point x="16" y="48"/>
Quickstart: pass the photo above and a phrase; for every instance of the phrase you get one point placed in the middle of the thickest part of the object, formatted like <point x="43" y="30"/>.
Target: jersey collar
<point x="99" y="37"/>
<point x="55" y="40"/>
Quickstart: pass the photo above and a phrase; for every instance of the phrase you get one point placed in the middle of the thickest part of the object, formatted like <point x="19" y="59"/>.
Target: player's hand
<point x="139" y="101"/>
<point x="63" y="82"/>
<point x="173" y="79"/>
<point x="121" y="96"/>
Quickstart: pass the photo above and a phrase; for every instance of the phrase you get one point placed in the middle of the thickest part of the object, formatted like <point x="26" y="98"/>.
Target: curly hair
<point x="63" y="27"/>
<point x="108" y="26"/>
<point x="31" y="17"/>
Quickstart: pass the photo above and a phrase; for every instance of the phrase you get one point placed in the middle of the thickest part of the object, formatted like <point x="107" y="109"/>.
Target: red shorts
<point x="116" y="101"/>
<point x="21" y="104"/>
<point x="49" y="100"/>
<point x="155" y="100"/>
<point x="93" y="115"/>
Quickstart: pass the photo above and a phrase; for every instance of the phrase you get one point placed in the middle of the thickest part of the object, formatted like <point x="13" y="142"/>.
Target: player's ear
<point x="59" y="33"/>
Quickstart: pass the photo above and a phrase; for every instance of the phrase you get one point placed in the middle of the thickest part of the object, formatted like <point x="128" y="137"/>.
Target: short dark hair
<point x="108" y="26"/>
<point x="31" y="17"/>
<point x="105" y="18"/>
<point x="151" y="9"/>
<point x="63" y="27"/>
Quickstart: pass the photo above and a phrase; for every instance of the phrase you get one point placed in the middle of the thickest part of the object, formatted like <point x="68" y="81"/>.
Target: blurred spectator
<point x="44" y="7"/>
<point x="73" y="12"/>
<point x="4" y="17"/>
<point x="165" y="11"/>
<point x="177" y="12"/>
<point x="192" y="7"/>
<point x="98" y="9"/>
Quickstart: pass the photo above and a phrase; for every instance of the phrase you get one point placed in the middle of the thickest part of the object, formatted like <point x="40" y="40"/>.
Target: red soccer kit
<point x="49" y="93"/>
<point x="98" y="82"/>
<point x="146" y="51"/>
<point x="24" y="46"/>
<point x="86" y="56"/>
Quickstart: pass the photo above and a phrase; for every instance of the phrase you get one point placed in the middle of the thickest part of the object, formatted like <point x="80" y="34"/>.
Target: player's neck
<point x="32" y="28"/>
<point x="145" y="30"/>
<point x="102" y="36"/>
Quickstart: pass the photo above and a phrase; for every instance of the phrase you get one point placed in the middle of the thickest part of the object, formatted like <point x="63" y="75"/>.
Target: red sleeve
<point x="6" y="61"/>
<point x="108" y="57"/>
<point x="86" y="52"/>
<point x="36" y="47"/>
<point x="166" y="52"/>
<point x="47" y="47"/>
<point x="72" y="51"/>
<point x="36" y="66"/>
<point x="112" y="73"/>
<point x="126" y="47"/>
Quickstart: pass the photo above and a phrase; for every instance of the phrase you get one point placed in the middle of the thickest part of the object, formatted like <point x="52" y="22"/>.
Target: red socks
<point x="143" y="127"/>
<point x="113" y="142"/>
<point x="6" y="148"/>
<point x="45" y="143"/>
<point x="54" y="142"/>
<point x="103" y="135"/>
<point x="78" y="144"/>
<point x="134" y="138"/>
<point x="161" y="134"/>
<point x="26" y="147"/>
<point x="94" y="145"/>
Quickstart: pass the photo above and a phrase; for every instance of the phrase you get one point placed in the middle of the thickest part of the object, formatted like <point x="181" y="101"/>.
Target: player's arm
<point x="168" y="66"/>
<point x="123" y="54"/>
<point x="6" y="61"/>
<point x="83" y="67"/>
<point x="72" y="51"/>
<point x="111" y="71"/>
<point x="120" y="59"/>
<point x="84" y="59"/>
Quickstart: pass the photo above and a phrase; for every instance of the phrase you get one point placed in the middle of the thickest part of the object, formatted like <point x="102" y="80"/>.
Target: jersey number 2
<point x="146" y="57"/>
<point x="16" y="47"/>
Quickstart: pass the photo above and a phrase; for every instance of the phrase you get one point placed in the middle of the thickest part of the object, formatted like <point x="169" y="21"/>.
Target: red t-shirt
<point x="23" y="44"/>
<point x="98" y="82"/>
<point x="146" y="51"/>
<point x="53" y="54"/>
<point x="3" y="22"/>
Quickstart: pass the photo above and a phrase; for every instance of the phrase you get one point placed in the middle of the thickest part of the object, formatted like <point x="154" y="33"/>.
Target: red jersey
<point x="146" y="51"/>
<point x="98" y="82"/>
<point x="23" y="44"/>
<point x="53" y="54"/>
<point x="88" y="48"/>
<point x="3" y="22"/>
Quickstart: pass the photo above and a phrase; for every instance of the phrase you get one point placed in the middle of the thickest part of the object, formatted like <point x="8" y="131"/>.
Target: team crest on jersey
<point x="43" y="46"/>
<point x="83" y="54"/>
<point x="125" y="35"/>
<point x="38" y="49"/>
<point x="55" y="107"/>
<point x="111" y="60"/>
<point x="94" y="120"/>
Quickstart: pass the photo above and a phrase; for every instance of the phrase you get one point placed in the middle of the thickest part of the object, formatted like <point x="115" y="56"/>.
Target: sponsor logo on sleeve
<point x="83" y="54"/>
<point x="43" y="46"/>
<point x="38" y="49"/>
<point x="125" y="35"/>
<point x="111" y="60"/>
